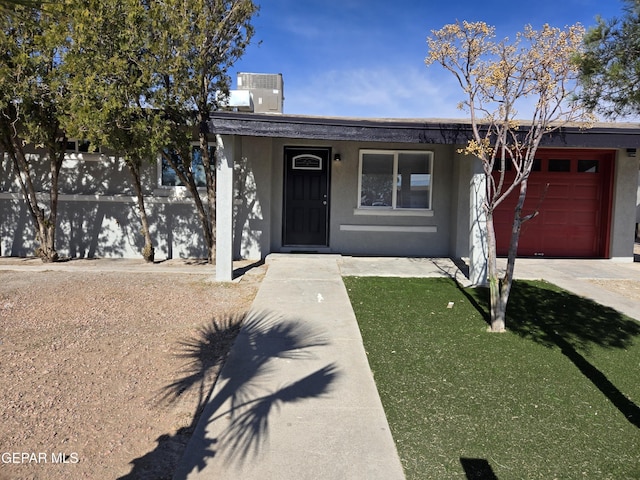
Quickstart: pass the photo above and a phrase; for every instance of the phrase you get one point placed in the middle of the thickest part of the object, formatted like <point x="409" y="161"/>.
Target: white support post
<point x="224" y="209"/>
<point x="478" y="250"/>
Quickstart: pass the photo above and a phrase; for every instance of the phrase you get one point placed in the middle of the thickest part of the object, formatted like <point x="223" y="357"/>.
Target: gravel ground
<point x="102" y="373"/>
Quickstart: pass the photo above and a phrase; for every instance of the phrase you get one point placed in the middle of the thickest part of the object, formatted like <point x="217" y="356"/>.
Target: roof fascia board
<point x="427" y="131"/>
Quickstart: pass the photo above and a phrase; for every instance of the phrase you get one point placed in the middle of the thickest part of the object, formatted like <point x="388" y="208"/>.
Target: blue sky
<point x="365" y="58"/>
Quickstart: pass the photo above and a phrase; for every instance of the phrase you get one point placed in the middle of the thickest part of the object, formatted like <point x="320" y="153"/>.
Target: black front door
<point x="306" y="197"/>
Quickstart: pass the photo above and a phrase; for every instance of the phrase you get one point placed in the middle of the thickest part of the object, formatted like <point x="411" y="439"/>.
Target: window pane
<point x="377" y="180"/>
<point x="588" y="166"/>
<point x="497" y="165"/>
<point x="171" y="179"/>
<point x="83" y="146"/>
<point x="537" y="165"/>
<point x="197" y="168"/>
<point x="559" y="165"/>
<point x="414" y="180"/>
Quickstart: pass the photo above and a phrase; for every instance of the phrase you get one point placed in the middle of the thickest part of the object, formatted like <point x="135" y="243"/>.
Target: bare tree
<point x="538" y="71"/>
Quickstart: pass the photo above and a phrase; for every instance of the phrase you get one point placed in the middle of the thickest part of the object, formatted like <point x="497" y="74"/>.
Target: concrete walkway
<point x="296" y="398"/>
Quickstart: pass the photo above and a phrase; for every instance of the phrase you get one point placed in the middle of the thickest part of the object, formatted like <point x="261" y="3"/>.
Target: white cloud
<point x="402" y="92"/>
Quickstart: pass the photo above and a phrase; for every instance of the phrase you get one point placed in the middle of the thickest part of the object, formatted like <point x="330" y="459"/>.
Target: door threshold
<point x="303" y="250"/>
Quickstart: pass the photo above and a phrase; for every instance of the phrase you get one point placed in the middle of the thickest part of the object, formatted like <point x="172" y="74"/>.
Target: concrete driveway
<point x="611" y="283"/>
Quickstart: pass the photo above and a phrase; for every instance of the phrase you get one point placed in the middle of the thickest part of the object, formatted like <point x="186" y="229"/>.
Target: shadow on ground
<point x="244" y="397"/>
<point x="203" y="355"/>
<point x="477" y="469"/>
<point x="559" y="319"/>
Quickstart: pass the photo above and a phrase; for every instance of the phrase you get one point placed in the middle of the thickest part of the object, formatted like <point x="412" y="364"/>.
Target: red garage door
<point x="571" y="189"/>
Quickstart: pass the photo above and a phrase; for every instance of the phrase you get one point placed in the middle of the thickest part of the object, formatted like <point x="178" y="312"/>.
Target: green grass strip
<point x="555" y="397"/>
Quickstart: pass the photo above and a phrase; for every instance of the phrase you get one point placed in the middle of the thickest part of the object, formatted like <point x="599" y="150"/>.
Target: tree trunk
<point x="148" y="252"/>
<point x="204" y="220"/>
<point x="208" y="162"/>
<point x="47" y="224"/>
<point x="497" y="311"/>
<point x="46" y="238"/>
<point x="188" y="180"/>
<point x="501" y="287"/>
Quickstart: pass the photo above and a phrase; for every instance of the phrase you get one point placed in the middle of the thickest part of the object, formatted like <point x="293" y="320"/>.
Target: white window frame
<point x="180" y="187"/>
<point x="76" y="147"/>
<point x="393" y="209"/>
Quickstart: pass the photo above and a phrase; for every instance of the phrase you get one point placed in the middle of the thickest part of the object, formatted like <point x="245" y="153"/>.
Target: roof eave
<point x="415" y="131"/>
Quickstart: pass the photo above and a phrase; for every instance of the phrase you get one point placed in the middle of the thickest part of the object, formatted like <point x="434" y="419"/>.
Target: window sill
<point x="398" y="212"/>
<point x="175" y="191"/>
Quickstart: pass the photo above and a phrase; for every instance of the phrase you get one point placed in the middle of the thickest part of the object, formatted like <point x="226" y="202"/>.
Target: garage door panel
<point x="573" y="208"/>
<point x="528" y="245"/>
<point x="553" y="218"/>
<point x="588" y="218"/>
<point x="587" y="192"/>
<point x="559" y="191"/>
<point x="535" y="190"/>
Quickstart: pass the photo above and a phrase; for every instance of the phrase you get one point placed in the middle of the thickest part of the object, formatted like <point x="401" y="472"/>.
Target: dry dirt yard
<point x="626" y="288"/>
<point x="95" y="368"/>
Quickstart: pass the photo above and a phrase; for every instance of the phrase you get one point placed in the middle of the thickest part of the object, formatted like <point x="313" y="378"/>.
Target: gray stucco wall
<point x="97" y="212"/>
<point x="625" y="188"/>
<point x="343" y="198"/>
<point x="253" y="191"/>
<point x="449" y="220"/>
<point x="374" y="239"/>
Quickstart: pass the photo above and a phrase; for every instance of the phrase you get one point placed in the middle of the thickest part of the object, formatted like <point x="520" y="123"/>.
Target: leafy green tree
<point x="194" y="43"/>
<point x="610" y="64"/>
<point x="498" y="78"/>
<point x="109" y="67"/>
<point x="33" y="97"/>
<point x="8" y="6"/>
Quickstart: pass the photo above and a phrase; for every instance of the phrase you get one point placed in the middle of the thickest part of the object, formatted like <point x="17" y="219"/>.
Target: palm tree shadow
<point x="203" y="354"/>
<point x="239" y="401"/>
<point x="574" y="325"/>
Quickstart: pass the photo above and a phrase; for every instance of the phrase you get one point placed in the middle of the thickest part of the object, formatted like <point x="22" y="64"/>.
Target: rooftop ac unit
<point x="266" y="91"/>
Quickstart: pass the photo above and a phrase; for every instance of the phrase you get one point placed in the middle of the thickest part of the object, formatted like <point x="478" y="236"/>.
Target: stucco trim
<point x="388" y="228"/>
<point x="101" y="198"/>
<point x="378" y="212"/>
